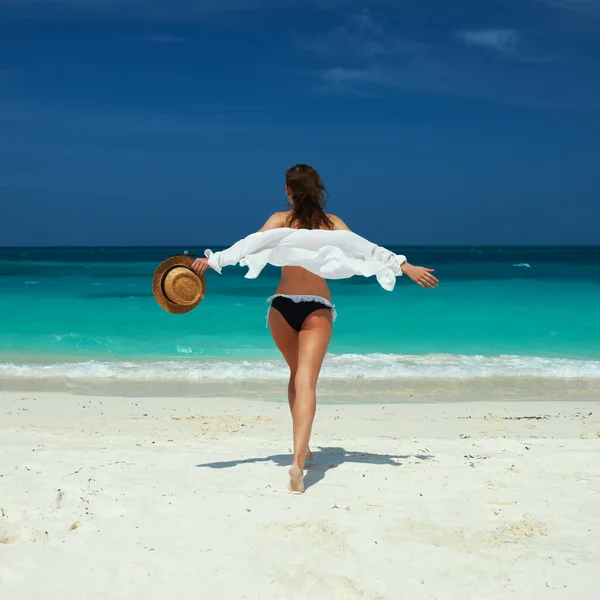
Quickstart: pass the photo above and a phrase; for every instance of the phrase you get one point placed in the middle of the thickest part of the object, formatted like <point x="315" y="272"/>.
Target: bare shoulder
<point x="338" y="223"/>
<point x="275" y="221"/>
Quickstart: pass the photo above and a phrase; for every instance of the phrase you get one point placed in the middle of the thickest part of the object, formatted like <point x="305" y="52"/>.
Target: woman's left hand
<point x="199" y="266"/>
<point x="420" y="275"/>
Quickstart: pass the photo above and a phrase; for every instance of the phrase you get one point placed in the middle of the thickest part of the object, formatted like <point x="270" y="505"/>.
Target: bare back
<point x="297" y="280"/>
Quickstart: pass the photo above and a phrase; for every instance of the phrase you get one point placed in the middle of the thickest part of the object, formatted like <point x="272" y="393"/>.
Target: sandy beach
<point x="176" y="497"/>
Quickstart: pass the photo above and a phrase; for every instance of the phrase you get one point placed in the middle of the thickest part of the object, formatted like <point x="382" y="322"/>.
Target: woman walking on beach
<point x="301" y="322"/>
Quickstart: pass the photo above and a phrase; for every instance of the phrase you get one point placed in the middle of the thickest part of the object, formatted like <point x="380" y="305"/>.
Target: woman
<point x="301" y="324"/>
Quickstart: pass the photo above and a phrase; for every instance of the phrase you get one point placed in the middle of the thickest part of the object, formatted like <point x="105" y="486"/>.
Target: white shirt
<point x="337" y="254"/>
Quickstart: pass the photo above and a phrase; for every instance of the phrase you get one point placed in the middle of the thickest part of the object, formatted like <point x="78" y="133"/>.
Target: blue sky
<point x="151" y="122"/>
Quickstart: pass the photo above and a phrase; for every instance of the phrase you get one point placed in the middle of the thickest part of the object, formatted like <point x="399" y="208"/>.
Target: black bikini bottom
<point x="295" y="313"/>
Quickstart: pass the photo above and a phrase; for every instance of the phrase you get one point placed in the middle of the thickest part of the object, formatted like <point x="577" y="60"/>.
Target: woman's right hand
<point x="199" y="266"/>
<point x="420" y="275"/>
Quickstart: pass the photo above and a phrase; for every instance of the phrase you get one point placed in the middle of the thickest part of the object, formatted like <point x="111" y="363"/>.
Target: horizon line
<point x="171" y="246"/>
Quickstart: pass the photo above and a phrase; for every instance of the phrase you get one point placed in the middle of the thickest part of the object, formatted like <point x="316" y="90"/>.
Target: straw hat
<point x="176" y="287"/>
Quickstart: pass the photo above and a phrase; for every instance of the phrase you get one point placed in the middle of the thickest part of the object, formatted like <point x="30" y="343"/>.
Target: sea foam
<point x="340" y="366"/>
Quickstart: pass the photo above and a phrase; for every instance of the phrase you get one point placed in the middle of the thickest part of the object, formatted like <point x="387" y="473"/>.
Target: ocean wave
<point x="527" y="265"/>
<point x="69" y="341"/>
<point x="341" y="366"/>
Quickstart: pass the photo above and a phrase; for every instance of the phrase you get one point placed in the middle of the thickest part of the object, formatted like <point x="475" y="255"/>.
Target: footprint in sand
<point x="320" y="532"/>
<point x="523" y="531"/>
<point x="323" y="585"/>
<point x="213" y="426"/>
<point x="495" y="485"/>
<point x="11" y="533"/>
<point x="520" y="532"/>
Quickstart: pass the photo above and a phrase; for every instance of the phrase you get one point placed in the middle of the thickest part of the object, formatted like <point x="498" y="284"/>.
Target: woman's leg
<point x="292" y="400"/>
<point x="313" y="342"/>
<point x="286" y="340"/>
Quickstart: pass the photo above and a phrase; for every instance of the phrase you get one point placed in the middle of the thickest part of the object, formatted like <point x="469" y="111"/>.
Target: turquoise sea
<point x="508" y="311"/>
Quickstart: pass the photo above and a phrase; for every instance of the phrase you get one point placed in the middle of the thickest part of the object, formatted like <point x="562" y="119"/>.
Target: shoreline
<point x="358" y="390"/>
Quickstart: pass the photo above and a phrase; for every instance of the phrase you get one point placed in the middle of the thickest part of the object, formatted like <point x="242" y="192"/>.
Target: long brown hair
<point x="309" y="197"/>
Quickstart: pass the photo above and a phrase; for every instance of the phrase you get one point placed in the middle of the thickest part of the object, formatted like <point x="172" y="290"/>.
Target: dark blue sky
<point x="150" y="122"/>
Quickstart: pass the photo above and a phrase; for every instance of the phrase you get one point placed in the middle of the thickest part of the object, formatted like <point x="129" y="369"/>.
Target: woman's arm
<point x="420" y="275"/>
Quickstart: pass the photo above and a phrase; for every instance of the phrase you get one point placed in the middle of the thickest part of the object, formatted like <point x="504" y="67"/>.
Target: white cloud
<point x="372" y="61"/>
<point x="361" y="36"/>
<point x="499" y="40"/>
<point x="523" y="84"/>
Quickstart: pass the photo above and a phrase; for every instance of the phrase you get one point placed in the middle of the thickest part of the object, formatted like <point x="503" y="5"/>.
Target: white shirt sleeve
<point x="335" y="254"/>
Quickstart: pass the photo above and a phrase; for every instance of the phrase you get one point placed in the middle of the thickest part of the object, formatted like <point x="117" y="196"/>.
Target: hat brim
<point x="182" y="260"/>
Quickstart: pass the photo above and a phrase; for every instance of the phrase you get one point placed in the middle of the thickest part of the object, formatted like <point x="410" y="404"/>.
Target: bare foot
<point x="296" y="480"/>
<point x="309" y="455"/>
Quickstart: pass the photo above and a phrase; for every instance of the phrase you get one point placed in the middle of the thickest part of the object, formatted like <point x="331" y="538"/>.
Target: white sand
<point x="159" y="498"/>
